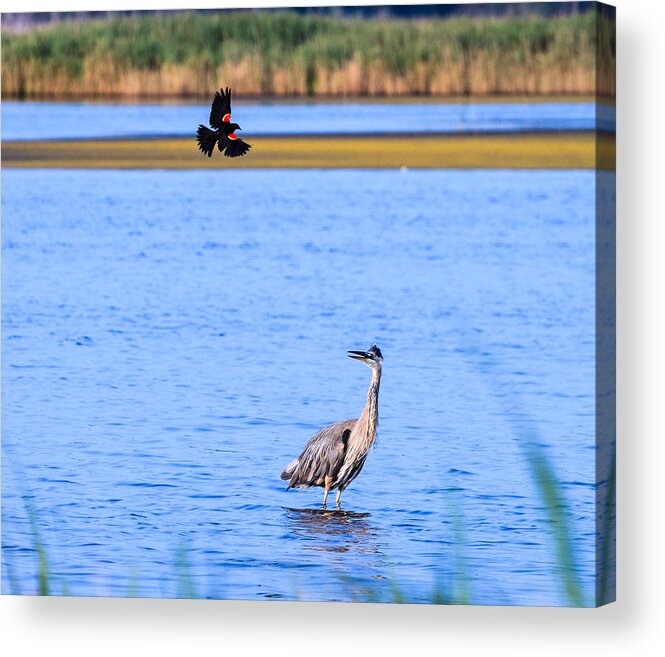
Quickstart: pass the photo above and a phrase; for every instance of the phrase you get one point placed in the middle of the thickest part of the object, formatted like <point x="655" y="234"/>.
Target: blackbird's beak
<point x="359" y="355"/>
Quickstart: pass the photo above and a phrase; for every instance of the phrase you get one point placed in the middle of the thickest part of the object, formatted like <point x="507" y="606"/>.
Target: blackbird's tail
<point x="207" y="139"/>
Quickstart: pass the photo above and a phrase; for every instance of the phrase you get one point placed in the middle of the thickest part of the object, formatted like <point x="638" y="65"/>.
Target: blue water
<point x="171" y="340"/>
<point x="37" y="120"/>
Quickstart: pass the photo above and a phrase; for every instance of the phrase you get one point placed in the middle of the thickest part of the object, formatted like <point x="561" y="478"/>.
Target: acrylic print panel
<point x="420" y="238"/>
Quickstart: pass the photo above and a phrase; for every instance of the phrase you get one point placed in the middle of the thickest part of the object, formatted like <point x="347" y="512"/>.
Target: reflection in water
<point x="348" y="545"/>
<point x="328" y="530"/>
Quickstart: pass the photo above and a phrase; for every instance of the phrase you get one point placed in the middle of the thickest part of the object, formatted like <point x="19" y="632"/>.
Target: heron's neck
<point x="370" y="415"/>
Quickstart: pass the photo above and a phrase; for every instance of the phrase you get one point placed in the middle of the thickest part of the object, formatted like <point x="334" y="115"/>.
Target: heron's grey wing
<point x="323" y="456"/>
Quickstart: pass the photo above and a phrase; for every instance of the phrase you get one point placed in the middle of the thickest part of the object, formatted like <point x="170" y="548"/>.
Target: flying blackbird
<point x="224" y="131"/>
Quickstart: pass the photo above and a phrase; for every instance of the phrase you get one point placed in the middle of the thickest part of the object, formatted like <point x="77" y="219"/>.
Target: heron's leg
<point x="327" y="484"/>
<point x="339" y="494"/>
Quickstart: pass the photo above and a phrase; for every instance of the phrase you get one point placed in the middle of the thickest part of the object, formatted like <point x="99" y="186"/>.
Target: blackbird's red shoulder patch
<point x="226" y="118"/>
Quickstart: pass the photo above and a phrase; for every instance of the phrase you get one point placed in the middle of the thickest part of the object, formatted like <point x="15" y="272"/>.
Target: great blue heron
<point x="334" y="456"/>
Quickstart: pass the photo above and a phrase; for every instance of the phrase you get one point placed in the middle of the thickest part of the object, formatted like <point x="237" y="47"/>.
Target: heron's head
<point x="372" y="357"/>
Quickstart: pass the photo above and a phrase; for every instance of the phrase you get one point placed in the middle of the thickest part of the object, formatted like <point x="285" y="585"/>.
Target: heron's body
<point x="335" y="456"/>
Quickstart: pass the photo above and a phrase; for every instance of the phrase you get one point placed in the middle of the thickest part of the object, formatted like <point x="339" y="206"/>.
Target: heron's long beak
<point x="358" y="355"/>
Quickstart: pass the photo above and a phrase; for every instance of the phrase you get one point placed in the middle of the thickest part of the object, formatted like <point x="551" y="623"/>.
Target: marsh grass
<point x="551" y="492"/>
<point x="43" y="570"/>
<point x="286" y="54"/>
<point x="384" y="589"/>
<point x="388" y="588"/>
<point x="552" y="496"/>
<point x="461" y="587"/>
<point x="184" y="581"/>
<point x="133" y="584"/>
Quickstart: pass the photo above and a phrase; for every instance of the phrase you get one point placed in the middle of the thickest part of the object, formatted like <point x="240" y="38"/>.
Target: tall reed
<point x="285" y="54"/>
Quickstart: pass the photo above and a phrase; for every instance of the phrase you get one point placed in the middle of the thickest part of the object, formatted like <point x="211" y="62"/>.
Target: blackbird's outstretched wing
<point x="221" y="108"/>
<point x="235" y="147"/>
